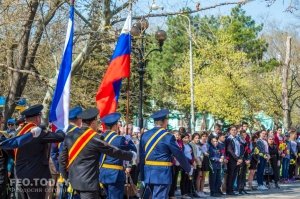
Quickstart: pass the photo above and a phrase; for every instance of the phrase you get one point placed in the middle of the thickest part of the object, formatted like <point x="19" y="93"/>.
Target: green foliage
<point x="227" y="53"/>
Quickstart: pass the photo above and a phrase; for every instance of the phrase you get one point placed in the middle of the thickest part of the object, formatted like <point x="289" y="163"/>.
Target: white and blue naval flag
<point x="59" y="111"/>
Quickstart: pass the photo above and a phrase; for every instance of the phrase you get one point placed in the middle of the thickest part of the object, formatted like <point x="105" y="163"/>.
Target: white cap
<point x="136" y="129"/>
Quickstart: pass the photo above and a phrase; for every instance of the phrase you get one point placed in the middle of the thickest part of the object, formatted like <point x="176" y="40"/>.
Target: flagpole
<point x="128" y="88"/>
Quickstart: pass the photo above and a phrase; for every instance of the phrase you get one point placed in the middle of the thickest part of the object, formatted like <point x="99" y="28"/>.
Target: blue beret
<point x="111" y="119"/>
<point x="160" y="115"/>
<point x="11" y="121"/>
<point x="74" y="112"/>
<point x="89" y="114"/>
<point x="33" y="110"/>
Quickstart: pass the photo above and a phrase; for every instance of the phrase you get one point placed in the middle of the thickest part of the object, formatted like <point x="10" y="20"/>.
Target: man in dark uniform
<point x="112" y="172"/>
<point x="32" y="159"/>
<point x="79" y="159"/>
<point x="4" y="158"/>
<point x="157" y="147"/>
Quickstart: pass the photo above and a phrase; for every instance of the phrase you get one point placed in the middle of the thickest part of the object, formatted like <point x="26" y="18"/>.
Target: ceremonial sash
<point x="79" y="144"/>
<point x="22" y="131"/>
<point x="153" y="141"/>
<point x="108" y="138"/>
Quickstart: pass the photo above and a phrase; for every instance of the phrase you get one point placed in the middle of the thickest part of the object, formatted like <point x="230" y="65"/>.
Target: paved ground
<point x="289" y="191"/>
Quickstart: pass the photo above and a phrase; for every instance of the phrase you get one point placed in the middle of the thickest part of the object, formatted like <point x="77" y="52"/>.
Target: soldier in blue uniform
<point x="56" y="148"/>
<point x="157" y="148"/>
<point x="112" y="172"/>
<point x="32" y="159"/>
<point x="82" y="169"/>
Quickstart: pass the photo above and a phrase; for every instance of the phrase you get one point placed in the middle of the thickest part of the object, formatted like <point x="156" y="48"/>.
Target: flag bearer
<point x="112" y="172"/>
<point x="79" y="159"/>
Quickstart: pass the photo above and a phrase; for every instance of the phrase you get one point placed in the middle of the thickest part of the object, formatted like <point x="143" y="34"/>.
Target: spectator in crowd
<point x="293" y="154"/>
<point x="198" y="160"/>
<point x="215" y="158"/>
<point x="253" y="161"/>
<point x="274" y="161"/>
<point x="215" y="133"/>
<point x="176" y="166"/>
<point x="134" y="171"/>
<point x="245" y="151"/>
<point x="278" y="139"/>
<point x="233" y="152"/>
<point x="186" y="182"/>
<point x="221" y="147"/>
<point x="298" y="158"/>
<point x="264" y="156"/>
<point x="285" y="147"/>
<point x="182" y="130"/>
<point x="205" y="162"/>
<point x="11" y="127"/>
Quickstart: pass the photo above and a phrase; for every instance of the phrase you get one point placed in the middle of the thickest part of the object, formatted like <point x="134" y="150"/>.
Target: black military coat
<point x="32" y="159"/>
<point x="83" y="173"/>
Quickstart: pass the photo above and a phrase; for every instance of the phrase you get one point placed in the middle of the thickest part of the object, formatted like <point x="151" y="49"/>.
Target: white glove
<point x="134" y="155"/>
<point x="191" y="172"/>
<point x="36" y="132"/>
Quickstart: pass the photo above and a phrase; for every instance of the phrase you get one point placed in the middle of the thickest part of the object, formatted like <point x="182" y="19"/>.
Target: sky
<point x="258" y="9"/>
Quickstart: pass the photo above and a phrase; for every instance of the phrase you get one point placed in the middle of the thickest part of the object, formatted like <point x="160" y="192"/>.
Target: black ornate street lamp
<point x="138" y="31"/>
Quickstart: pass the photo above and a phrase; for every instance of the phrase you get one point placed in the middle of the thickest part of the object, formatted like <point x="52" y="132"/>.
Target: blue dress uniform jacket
<point x="56" y="148"/>
<point x="83" y="173"/>
<point x="164" y="150"/>
<point x="15" y="142"/>
<point x="108" y="176"/>
<point x="114" y="178"/>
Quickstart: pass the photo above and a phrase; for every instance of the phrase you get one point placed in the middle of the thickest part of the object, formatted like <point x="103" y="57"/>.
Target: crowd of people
<point x="231" y="161"/>
<point x="225" y="159"/>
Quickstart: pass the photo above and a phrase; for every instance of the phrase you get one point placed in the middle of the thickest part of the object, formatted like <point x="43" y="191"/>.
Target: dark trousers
<point x="89" y="194"/>
<point x="260" y="171"/>
<point x="292" y="169"/>
<point x="241" y="181"/>
<point x="276" y="169"/>
<point x="31" y="192"/>
<point x="231" y="175"/>
<point x="215" y="181"/>
<point x="185" y="183"/>
<point x="176" y="170"/>
<point x="135" y="173"/>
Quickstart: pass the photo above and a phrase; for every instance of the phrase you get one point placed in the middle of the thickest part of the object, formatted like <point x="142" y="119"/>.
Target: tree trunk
<point x="26" y="52"/>
<point x="285" y="78"/>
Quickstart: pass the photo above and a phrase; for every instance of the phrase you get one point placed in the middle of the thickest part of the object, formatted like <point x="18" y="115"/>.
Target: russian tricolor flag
<point x="119" y="68"/>
<point x="59" y="111"/>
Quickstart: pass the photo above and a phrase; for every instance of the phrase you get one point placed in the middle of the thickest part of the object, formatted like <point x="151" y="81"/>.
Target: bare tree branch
<point x="33" y="73"/>
<point x="242" y="2"/>
<point x="120" y="8"/>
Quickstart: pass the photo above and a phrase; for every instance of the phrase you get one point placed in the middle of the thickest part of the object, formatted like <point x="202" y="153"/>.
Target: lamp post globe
<point x="135" y="31"/>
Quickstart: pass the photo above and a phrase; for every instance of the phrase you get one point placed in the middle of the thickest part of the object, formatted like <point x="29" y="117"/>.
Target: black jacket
<point x="230" y="150"/>
<point x="83" y="173"/>
<point x="32" y="159"/>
